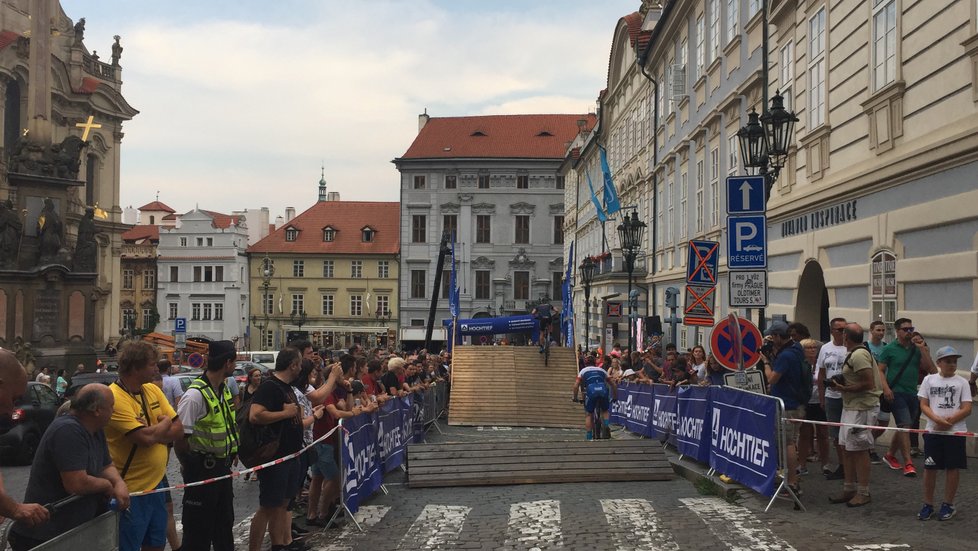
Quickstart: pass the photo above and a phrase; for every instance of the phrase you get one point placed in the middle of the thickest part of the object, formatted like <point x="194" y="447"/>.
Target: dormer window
<point x="367" y="234"/>
<point x="291" y="234"/>
<point x="329" y="234"/>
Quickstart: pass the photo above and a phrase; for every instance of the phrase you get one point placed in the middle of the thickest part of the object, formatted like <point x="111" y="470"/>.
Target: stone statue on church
<point x="51" y="236"/>
<point x="58" y="160"/>
<point x="80" y="31"/>
<point x="11" y="228"/>
<point x="116" y="51"/>
<point x="86" y="249"/>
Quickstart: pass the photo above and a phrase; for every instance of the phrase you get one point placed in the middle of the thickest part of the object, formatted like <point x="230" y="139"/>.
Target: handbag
<point x="886" y="406"/>
<point x="258" y="444"/>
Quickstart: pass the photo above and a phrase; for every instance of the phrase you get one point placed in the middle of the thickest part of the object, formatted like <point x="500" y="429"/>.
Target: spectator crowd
<point x="110" y="445"/>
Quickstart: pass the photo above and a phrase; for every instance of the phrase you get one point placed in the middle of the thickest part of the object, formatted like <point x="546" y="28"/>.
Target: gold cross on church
<point x="88" y="126"/>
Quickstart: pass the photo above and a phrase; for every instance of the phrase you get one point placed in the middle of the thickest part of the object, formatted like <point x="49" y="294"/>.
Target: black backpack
<point x="804" y="393"/>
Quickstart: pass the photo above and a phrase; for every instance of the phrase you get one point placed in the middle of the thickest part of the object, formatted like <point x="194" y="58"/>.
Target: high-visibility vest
<point x="215" y="433"/>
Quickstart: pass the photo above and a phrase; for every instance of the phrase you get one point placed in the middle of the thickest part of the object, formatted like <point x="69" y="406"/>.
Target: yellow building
<point x="333" y="277"/>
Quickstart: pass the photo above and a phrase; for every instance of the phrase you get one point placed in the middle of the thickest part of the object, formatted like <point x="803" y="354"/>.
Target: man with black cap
<point x="207" y="451"/>
<point x="784" y="377"/>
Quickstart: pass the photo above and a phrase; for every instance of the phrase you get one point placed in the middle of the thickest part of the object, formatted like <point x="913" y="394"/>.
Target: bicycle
<point x="599" y="430"/>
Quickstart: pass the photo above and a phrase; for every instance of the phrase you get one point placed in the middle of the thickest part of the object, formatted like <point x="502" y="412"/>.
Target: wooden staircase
<point x="535" y="462"/>
<point x="511" y="386"/>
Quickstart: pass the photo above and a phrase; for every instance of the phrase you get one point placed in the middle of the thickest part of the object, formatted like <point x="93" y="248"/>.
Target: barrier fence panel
<point x="100" y="533"/>
<point x="744" y="438"/>
<point x="664" y="406"/>
<point x="632" y="408"/>
<point x="362" y="468"/>
<point x="692" y="410"/>
<point x="394" y="428"/>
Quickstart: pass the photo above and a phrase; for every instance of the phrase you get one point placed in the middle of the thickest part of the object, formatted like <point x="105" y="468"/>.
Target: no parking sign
<point x="728" y="337"/>
<point x="195" y="360"/>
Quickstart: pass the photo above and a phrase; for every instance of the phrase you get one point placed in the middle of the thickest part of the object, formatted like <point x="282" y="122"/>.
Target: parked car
<point x="21" y="432"/>
<point x="241" y="369"/>
<point x="266" y="358"/>
<point x="81" y="379"/>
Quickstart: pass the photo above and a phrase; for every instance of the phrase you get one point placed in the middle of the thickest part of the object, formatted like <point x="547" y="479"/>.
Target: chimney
<point x="333" y="196"/>
<point x="289" y="214"/>
<point x="279" y="221"/>
<point x="423" y="120"/>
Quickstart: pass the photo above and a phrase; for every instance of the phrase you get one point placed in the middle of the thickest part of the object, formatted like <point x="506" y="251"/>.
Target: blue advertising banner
<point x="692" y="412"/>
<point x="362" y="474"/>
<point x="632" y="408"/>
<point x="416" y="409"/>
<point x="393" y="434"/>
<point x="743" y="438"/>
<point x="493" y="326"/>
<point x="664" y="404"/>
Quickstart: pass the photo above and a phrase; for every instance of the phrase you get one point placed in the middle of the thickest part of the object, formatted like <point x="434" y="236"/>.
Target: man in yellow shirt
<point x="142" y="425"/>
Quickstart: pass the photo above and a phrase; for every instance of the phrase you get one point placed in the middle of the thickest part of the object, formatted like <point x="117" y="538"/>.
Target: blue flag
<point x="453" y="285"/>
<point x="594" y="199"/>
<point x="611" y="203"/>
<point x="567" y="312"/>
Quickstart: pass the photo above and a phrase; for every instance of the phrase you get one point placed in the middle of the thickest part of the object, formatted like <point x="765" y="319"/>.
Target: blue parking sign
<point x="180" y="325"/>
<point x="701" y="265"/>
<point x="746" y="242"/>
<point x="745" y="194"/>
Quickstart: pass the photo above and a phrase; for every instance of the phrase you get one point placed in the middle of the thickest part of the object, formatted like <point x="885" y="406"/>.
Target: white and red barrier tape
<point x="235" y="474"/>
<point x="899" y="429"/>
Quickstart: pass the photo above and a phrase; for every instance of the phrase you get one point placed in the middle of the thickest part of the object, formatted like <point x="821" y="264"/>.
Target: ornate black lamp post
<point x="299" y="318"/>
<point x="266" y="272"/>
<point x="587" y="277"/>
<point x="630" y="234"/>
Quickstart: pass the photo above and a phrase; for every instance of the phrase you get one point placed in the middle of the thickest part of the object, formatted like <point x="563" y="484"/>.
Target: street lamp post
<point x="587" y="277"/>
<point x="267" y="271"/>
<point x="383" y="316"/>
<point x="630" y="234"/>
<point x="299" y="318"/>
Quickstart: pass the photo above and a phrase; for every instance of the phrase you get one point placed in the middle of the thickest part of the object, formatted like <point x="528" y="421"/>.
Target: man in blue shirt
<point x="595" y="384"/>
<point x="784" y="377"/>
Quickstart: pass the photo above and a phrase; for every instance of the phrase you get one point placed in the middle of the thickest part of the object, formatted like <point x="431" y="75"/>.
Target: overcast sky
<point x="240" y="100"/>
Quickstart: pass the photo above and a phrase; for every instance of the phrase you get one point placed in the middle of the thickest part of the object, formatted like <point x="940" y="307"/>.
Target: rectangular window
<point x="482" y="284"/>
<point x="418" y="223"/>
<point x="700" y="205"/>
<point x="383" y="269"/>
<point x="557" y="282"/>
<point x="200" y="241"/>
<point x="670" y="213"/>
<point x="559" y="183"/>
<point x="183" y="241"/>
<point x="384" y="305"/>
<point x="149" y="279"/>
<point x="208" y="309"/>
<point x="659" y="217"/>
<point x="127" y="277"/>
<point x="147" y="314"/>
<point x="418" y="283"/>
<point x="483" y="228"/>
<point x="753" y="6"/>
<point x="328" y="269"/>
<point x="269" y="305"/>
<point x="327" y="305"/>
<point x="208" y="273"/>
<point x="683" y="192"/>
<point x="816" y="70"/>
<point x="521" y="285"/>
<point x="356" y="269"/>
<point x="419" y="181"/>
<point x="715" y="186"/>
<point x="298" y="303"/>
<point x="356" y="306"/>
<point x="483" y="181"/>
<point x="733" y="18"/>
<point x="558" y="230"/>
<point x="268" y="339"/>
<point x="522" y="181"/>
<point x="218" y="311"/>
<point x="732" y="154"/>
<point x="451" y="182"/>
<point x="714" y="8"/>
<point x="219" y="273"/>
<point x="449" y="225"/>
<point x="172" y="311"/>
<point x="174" y="274"/>
<point x="884" y="43"/>
<point x="195" y="311"/>
<point x="298" y="268"/>
<point x="787" y="76"/>
<point x="700" y="45"/>
<point x="522" y="225"/>
<point x="210" y="241"/>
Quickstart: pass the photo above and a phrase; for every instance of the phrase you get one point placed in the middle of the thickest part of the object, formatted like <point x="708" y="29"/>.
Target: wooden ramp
<point x="522" y="462"/>
<point x="511" y="386"/>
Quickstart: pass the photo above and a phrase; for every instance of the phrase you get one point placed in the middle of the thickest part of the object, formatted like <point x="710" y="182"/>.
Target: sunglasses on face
<point x="908" y="329"/>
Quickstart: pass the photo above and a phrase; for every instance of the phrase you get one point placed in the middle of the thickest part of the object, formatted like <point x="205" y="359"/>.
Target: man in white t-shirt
<point x="946" y="401"/>
<point x="974" y="376"/>
<point x="828" y="365"/>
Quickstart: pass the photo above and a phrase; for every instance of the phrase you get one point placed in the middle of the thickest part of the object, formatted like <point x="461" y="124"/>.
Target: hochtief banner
<point x="664" y="405"/>
<point x="632" y="408"/>
<point x="743" y="438"/>
<point x="394" y="430"/>
<point x="693" y="409"/>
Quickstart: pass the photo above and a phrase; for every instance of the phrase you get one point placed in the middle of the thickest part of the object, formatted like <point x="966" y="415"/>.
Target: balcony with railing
<point x="97" y="68"/>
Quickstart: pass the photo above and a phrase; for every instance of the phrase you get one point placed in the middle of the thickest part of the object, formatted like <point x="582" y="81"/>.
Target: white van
<point x="265" y="357"/>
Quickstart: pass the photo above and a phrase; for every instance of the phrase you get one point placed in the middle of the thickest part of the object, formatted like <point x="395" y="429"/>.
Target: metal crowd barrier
<point x="435" y="402"/>
<point x="100" y="533"/>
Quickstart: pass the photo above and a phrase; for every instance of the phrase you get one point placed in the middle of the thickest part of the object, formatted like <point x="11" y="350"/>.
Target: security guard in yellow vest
<point x="207" y="451"/>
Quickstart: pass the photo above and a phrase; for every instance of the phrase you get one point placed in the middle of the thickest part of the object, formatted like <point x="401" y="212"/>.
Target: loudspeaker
<point x="653" y="325"/>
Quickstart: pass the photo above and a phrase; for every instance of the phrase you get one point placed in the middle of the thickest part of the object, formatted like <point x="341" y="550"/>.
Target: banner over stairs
<point x="511" y="386"/>
<point x="535" y="462"/>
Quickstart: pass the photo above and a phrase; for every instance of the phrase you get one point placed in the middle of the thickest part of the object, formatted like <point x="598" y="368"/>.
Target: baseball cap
<point x="628" y="373"/>
<point x="778" y="327"/>
<point x="947" y="352"/>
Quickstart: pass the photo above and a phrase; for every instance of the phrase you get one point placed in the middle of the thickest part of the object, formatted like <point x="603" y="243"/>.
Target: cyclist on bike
<point x="543" y="313"/>
<point x="598" y="390"/>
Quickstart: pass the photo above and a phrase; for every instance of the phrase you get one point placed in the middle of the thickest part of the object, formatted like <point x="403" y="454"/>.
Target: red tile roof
<point x="222" y="220"/>
<point x="497" y="136"/>
<point x="633" y="22"/>
<point x="141" y="233"/>
<point x="157" y="206"/>
<point x="347" y="218"/>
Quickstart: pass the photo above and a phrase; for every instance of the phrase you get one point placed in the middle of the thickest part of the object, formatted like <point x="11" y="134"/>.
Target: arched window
<point x="884" y="291"/>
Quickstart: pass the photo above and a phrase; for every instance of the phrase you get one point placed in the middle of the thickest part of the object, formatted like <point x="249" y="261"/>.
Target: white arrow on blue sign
<point x="745" y="194"/>
<point x="746" y="242"/>
<point x="180" y="325"/>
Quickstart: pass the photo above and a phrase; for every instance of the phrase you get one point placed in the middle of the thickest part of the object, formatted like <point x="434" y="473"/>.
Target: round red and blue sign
<point x="723" y="343"/>
<point x="195" y="360"/>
